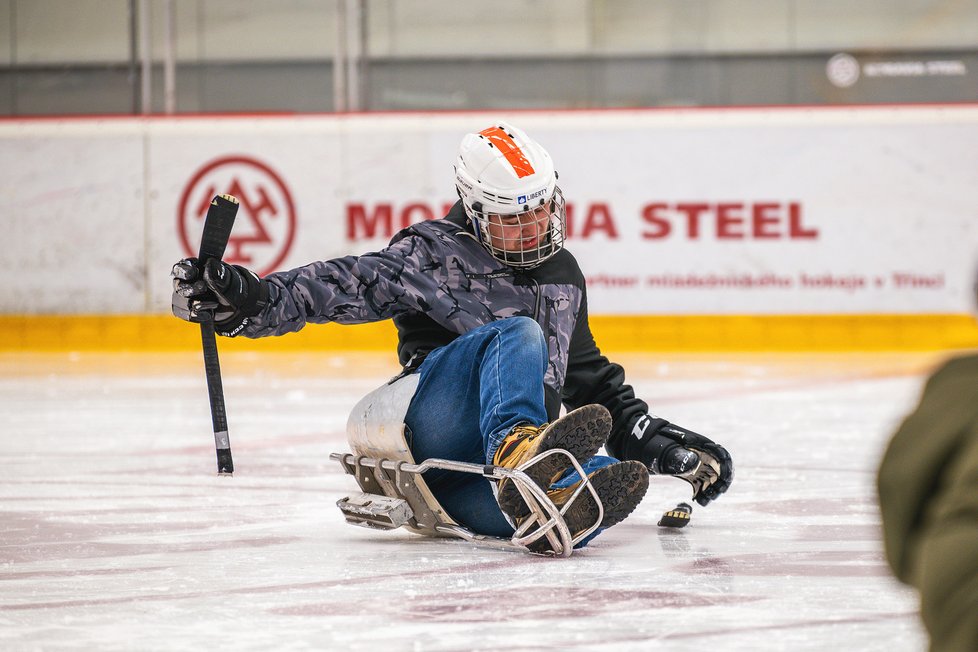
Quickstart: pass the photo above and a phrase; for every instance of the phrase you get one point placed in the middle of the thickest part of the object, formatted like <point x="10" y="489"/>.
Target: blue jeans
<point x="471" y="393"/>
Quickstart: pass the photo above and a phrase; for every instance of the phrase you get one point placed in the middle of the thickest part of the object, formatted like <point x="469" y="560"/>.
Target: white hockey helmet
<point x="508" y="188"/>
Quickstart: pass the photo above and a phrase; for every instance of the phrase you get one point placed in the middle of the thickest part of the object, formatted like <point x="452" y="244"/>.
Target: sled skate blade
<point x="373" y="511"/>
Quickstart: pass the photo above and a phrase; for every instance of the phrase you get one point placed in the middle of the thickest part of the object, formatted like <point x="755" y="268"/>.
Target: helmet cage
<point x="526" y="238"/>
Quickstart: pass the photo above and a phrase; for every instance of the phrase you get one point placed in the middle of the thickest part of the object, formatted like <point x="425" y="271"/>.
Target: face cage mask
<point x="525" y="239"/>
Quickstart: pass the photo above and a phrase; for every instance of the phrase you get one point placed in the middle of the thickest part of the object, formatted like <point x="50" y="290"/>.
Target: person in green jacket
<point x="928" y="492"/>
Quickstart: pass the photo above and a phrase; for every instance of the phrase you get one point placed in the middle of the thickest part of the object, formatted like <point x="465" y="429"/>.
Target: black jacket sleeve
<point x="592" y="378"/>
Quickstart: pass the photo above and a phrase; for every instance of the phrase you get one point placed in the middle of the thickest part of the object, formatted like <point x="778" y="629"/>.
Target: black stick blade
<point x="217" y="227"/>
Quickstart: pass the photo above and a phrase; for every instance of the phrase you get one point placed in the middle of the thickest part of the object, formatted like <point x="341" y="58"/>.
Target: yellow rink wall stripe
<point x="613" y="333"/>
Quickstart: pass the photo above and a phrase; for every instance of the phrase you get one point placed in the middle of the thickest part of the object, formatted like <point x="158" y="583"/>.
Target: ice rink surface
<point x="117" y="534"/>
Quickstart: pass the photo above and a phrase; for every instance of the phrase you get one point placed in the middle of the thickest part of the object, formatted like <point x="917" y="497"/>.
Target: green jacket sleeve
<point x="928" y="490"/>
<point x="914" y="468"/>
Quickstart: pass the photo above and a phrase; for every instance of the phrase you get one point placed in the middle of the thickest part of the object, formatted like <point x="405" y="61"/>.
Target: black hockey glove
<point x="228" y="294"/>
<point x="668" y="449"/>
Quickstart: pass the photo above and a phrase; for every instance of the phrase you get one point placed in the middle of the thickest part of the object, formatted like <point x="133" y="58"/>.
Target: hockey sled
<point x="395" y="495"/>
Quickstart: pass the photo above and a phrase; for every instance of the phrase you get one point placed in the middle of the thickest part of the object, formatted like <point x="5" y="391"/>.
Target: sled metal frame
<point x="391" y="499"/>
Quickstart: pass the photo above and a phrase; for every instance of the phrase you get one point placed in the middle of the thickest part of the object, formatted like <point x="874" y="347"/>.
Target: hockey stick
<point x="217" y="230"/>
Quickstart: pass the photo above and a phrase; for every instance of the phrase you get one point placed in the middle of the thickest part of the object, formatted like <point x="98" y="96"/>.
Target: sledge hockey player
<point x="492" y="321"/>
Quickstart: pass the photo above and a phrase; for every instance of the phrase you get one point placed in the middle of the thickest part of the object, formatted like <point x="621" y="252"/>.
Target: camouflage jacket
<point x="437" y="282"/>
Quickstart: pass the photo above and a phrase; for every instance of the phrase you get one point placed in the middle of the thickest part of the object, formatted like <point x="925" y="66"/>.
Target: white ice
<point x="117" y="534"/>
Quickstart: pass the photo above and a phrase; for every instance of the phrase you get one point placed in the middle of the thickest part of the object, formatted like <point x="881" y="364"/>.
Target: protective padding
<point x="376" y="429"/>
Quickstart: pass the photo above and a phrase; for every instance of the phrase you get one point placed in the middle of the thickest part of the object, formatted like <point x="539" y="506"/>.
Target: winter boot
<point x="580" y="432"/>
<point x="620" y="486"/>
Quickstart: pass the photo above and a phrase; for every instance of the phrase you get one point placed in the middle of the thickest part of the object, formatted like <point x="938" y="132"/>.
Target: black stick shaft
<point x="215" y="392"/>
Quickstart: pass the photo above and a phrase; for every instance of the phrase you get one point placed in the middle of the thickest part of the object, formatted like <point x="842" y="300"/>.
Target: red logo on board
<point x="265" y="225"/>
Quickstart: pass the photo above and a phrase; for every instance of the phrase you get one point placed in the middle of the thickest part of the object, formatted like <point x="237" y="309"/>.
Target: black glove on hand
<point x="230" y="293"/>
<point x="668" y="449"/>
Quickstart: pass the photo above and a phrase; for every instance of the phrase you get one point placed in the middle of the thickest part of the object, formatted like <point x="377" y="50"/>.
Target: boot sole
<point x="580" y="432"/>
<point x="621" y="488"/>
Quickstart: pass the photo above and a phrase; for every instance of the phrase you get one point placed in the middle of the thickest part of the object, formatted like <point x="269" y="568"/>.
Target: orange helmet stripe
<point x="508" y="147"/>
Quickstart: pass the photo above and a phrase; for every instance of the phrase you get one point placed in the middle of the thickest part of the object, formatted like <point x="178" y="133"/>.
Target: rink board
<point x="746" y="229"/>
<point x="612" y="333"/>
